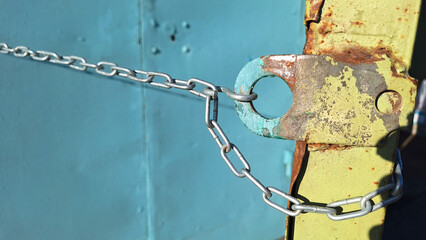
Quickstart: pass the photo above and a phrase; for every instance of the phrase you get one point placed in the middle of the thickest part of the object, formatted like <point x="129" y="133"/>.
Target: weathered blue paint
<point x="247" y="78"/>
<point x="86" y="157"/>
<point x="72" y="144"/>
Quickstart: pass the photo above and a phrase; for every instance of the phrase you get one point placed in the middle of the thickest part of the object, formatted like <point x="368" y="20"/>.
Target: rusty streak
<point x="313" y="11"/>
<point x="284" y="68"/>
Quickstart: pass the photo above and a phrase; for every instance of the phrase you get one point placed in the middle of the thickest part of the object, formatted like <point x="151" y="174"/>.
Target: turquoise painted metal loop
<point x="247" y="78"/>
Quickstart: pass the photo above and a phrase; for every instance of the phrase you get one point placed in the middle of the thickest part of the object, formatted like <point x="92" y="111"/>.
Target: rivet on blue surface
<point x="153" y="23"/>
<point x="155" y="50"/>
<point x="186" y="49"/>
<point x="81" y="39"/>
<point x="185" y="24"/>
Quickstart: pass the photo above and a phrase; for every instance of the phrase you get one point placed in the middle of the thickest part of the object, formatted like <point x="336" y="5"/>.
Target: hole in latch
<point x="172" y="38"/>
<point x="274" y="97"/>
<point x="388" y="102"/>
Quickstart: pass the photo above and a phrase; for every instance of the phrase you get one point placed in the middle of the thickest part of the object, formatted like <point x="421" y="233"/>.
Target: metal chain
<point x="110" y="69"/>
<point x="210" y="94"/>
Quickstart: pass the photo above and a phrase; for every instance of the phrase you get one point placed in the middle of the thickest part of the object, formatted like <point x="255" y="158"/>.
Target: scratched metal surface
<point x="86" y="157"/>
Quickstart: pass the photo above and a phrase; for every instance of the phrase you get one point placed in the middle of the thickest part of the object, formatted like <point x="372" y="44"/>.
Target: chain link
<point x="210" y="94"/>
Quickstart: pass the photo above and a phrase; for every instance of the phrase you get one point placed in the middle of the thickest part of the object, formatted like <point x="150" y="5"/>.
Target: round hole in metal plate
<point x="274" y="97"/>
<point x="388" y="102"/>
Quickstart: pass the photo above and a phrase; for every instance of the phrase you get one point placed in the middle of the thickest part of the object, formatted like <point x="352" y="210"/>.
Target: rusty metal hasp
<point x="334" y="102"/>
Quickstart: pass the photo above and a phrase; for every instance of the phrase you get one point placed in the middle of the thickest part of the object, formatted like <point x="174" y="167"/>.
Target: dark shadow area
<point x="375" y="231"/>
<point x="406" y="219"/>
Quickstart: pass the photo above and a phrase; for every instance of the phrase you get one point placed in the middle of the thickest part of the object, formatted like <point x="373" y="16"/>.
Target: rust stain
<point x="349" y="53"/>
<point x="318" y="146"/>
<point x="350" y="168"/>
<point x="395" y="73"/>
<point x="366" y="150"/>
<point x="326" y="28"/>
<point x="285" y="68"/>
<point x="398" y="75"/>
<point x="312" y="14"/>
<point x="377" y="183"/>
<point x="358" y="54"/>
<point x="329" y="13"/>
<point x="395" y="104"/>
<point x="358" y="23"/>
<point x="413" y="91"/>
<point x="326" y="147"/>
<point x="309" y="45"/>
<point x="299" y="153"/>
<point x="372" y="169"/>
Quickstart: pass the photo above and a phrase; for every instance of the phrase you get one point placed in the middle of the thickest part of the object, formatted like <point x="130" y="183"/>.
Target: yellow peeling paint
<point x="347" y="114"/>
<point x="389" y="27"/>
<point x="331" y="60"/>
<point x="333" y="175"/>
<point x="349" y="98"/>
<point x="370" y="24"/>
<point x="407" y="91"/>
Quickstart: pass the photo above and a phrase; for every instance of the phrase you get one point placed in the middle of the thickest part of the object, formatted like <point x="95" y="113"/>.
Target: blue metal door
<point x="89" y="157"/>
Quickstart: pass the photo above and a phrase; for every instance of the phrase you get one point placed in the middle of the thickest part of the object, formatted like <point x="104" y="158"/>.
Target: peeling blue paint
<point x="247" y="78"/>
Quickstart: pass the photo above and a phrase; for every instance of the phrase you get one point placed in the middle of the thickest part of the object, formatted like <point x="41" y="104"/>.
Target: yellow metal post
<point x="360" y="31"/>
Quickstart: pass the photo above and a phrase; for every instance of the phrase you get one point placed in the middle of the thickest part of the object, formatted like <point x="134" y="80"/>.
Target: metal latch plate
<point x="333" y="102"/>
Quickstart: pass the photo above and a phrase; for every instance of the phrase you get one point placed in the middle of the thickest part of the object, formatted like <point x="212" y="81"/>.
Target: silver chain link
<point x="210" y="94"/>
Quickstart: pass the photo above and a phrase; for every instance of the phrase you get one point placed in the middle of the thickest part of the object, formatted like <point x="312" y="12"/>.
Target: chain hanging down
<point x="210" y="94"/>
